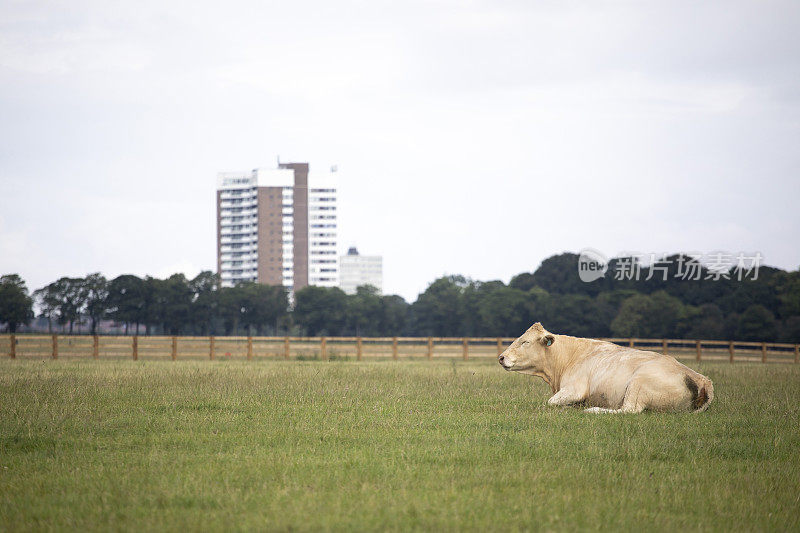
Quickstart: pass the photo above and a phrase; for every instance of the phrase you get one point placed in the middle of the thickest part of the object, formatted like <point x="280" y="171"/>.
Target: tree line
<point x="659" y="304"/>
<point x="199" y="306"/>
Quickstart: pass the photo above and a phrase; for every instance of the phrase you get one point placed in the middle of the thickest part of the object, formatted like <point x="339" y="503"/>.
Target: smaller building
<point x="356" y="270"/>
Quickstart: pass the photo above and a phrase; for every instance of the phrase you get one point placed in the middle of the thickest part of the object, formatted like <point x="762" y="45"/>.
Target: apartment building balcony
<point x="234" y="239"/>
<point x="246" y="249"/>
<point x="244" y="204"/>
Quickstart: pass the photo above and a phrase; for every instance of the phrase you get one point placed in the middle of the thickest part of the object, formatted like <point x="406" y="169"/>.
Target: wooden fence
<point x="354" y="348"/>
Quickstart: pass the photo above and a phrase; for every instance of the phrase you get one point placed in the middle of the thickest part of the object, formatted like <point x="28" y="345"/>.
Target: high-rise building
<point x="356" y="270"/>
<point x="277" y="226"/>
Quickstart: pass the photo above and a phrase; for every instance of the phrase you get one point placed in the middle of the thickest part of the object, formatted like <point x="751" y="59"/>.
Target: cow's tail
<point x="702" y="391"/>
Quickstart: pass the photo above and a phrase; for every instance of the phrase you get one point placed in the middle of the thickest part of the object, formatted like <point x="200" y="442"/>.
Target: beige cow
<point x="606" y="377"/>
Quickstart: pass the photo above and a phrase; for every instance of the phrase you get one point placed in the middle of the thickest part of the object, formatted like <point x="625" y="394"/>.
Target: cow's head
<point x="528" y="354"/>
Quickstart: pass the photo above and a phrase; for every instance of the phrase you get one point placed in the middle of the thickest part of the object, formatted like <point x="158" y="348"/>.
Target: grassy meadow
<point x="427" y="445"/>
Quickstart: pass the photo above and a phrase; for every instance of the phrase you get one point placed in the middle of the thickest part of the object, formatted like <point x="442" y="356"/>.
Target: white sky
<point x="471" y="137"/>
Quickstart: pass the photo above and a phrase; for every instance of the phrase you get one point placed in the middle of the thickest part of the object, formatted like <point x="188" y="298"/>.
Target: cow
<point x="605" y="377"/>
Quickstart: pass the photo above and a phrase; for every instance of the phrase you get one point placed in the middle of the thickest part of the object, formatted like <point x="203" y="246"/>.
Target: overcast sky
<point x="471" y="137"/>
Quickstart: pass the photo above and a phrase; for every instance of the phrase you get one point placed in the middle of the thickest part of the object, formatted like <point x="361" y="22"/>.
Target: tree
<point x="172" y="299"/>
<point x="151" y="304"/>
<point x="523" y="282"/>
<point x="320" y="310"/>
<point x="538" y="301"/>
<point x="608" y="305"/>
<point x="439" y="310"/>
<point x="205" y="300"/>
<point x="125" y="300"/>
<point x="687" y="279"/>
<point x="787" y="286"/>
<point x="559" y="275"/>
<point x="95" y="290"/>
<point x="574" y="314"/>
<point x="498" y="311"/>
<point x="251" y="305"/>
<point x="16" y="307"/>
<point x="364" y="310"/>
<point x="262" y="306"/>
<point x="668" y="316"/>
<point x="229" y="308"/>
<point x="756" y="323"/>
<point x="650" y="316"/>
<point x="394" y="315"/>
<point x="47" y="302"/>
<point x="742" y="294"/>
<point x="790" y="331"/>
<point x="67" y="297"/>
<point x="632" y="320"/>
<point x="707" y="322"/>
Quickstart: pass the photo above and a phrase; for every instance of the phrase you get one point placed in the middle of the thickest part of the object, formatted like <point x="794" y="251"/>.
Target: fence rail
<point x="358" y="348"/>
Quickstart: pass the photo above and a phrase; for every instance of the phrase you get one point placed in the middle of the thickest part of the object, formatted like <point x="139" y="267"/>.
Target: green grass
<point x="382" y="445"/>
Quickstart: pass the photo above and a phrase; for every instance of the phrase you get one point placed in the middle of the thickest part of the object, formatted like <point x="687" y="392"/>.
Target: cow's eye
<point x="526" y="344"/>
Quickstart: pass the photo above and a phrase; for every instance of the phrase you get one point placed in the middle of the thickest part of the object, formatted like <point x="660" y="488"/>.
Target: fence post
<point x="358" y="348"/>
<point x="13" y="352"/>
<point x="797" y="353"/>
<point x="174" y="348"/>
<point x="730" y="351"/>
<point x="763" y="352"/>
<point x="430" y="347"/>
<point x="394" y="348"/>
<point x="286" y="348"/>
<point x="55" y="346"/>
<point x="630" y="343"/>
<point x="699" y="349"/>
<point x="324" y="348"/>
<point x="249" y="347"/>
<point x="664" y="346"/>
<point x="211" y="347"/>
<point x="96" y="347"/>
<point x="135" y="347"/>
<point x="465" y="343"/>
<point x="499" y="346"/>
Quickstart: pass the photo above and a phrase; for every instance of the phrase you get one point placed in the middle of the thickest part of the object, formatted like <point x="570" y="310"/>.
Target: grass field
<point x="382" y="445"/>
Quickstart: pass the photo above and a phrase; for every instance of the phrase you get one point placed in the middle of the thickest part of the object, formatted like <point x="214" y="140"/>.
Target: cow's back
<point x="609" y="370"/>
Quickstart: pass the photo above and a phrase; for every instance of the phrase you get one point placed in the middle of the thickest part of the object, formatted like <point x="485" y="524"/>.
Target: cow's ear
<point x="548" y="340"/>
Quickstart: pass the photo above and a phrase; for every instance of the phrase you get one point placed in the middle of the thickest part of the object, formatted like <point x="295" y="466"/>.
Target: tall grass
<point x="382" y="445"/>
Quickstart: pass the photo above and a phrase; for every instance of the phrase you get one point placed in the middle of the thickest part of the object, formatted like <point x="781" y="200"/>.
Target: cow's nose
<point x="501" y="358"/>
